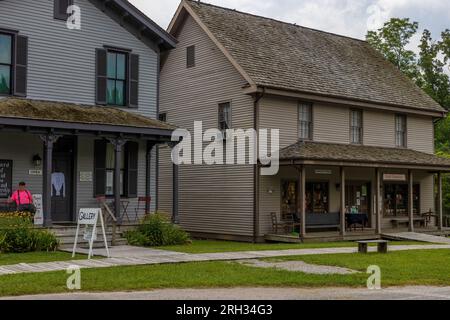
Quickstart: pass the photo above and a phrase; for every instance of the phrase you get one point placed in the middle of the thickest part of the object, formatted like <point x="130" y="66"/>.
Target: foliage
<point x="426" y="69"/>
<point x="157" y="230"/>
<point x="392" y="39"/>
<point x="17" y="235"/>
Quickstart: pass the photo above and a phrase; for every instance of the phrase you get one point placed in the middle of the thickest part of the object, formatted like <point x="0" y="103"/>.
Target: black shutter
<point x="133" y="82"/>
<point x="99" y="168"/>
<point x="60" y="9"/>
<point x="132" y="160"/>
<point x="101" y="76"/>
<point x="20" y="66"/>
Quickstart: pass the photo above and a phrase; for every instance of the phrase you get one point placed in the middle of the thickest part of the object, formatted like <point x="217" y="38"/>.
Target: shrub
<point x="156" y="230"/>
<point x="17" y="235"/>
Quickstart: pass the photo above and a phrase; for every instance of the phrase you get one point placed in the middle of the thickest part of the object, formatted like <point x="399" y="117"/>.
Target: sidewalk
<point x="134" y="256"/>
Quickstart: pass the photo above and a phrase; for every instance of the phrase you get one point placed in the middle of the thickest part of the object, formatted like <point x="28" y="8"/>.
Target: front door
<point x="62" y="180"/>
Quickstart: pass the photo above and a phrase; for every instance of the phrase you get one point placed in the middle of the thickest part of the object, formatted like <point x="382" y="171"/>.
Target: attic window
<point x="60" y="9"/>
<point x="190" y="57"/>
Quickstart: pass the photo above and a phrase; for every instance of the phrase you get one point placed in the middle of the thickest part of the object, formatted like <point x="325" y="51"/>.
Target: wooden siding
<point x="420" y="134"/>
<point x="212" y="199"/>
<point x="61" y="62"/>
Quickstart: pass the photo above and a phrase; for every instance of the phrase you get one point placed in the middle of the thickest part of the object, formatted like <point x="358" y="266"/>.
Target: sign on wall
<point x="394" y="177"/>
<point x="89" y="219"/>
<point x="5" y="178"/>
<point x="39" y="215"/>
<point x="86" y="176"/>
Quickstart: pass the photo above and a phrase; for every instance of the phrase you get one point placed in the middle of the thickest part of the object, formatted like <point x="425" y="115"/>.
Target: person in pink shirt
<point x="23" y="198"/>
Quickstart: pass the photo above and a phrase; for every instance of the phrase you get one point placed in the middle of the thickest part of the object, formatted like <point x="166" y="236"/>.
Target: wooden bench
<point x="399" y="221"/>
<point x="323" y="220"/>
<point x="382" y="245"/>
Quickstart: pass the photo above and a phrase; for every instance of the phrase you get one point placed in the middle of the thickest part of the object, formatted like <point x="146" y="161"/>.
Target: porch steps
<point x="415" y="236"/>
<point x="66" y="236"/>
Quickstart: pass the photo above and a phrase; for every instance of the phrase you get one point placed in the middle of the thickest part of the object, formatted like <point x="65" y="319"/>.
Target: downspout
<point x="257" y="98"/>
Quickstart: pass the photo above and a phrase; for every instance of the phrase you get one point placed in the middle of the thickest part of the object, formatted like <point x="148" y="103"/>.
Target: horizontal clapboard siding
<point x="212" y="199"/>
<point x="62" y="61"/>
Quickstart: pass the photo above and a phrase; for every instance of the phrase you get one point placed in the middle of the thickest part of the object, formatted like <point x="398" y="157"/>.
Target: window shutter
<point x="132" y="161"/>
<point x="21" y="66"/>
<point x="190" y="57"/>
<point x="60" y="9"/>
<point x="99" y="167"/>
<point x="101" y="77"/>
<point x="133" y="81"/>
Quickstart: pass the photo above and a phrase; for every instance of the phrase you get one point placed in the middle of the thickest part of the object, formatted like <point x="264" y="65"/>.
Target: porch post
<point x="410" y="201"/>
<point x="342" y="201"/>
<point x="118" y="146"/>
<point x="148" y="174"/>
<point x="175" y="185"/>
<point x="439" y="203"/>
<point x="49" y="140"/>
<point x="378" y="207"/>
<point x="301" y="200"/>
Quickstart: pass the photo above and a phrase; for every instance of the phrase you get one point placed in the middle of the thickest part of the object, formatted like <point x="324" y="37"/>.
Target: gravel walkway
<point x="394" y="293"/>
<point x="298" y="266"/>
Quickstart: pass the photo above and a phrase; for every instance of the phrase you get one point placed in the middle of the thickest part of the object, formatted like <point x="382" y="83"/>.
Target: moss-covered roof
<point x="74" y="113"/>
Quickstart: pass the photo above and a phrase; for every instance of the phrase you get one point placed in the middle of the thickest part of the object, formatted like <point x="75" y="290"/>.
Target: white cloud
<point x="346" y="17"/>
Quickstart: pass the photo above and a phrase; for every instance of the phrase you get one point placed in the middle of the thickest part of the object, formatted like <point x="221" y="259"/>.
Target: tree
<point x="433" y="79"/>
<point x="391" y="41"/>
<point x="445" y="46"/>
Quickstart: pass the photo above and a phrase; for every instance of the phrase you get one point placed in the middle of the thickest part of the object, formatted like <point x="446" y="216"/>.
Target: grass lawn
<point x="419" y="267"/>
<point x="32" y="257"/>
<point x="211" y="246"/>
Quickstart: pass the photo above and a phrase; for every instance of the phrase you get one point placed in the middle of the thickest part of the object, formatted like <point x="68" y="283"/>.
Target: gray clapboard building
<point x="78" y="106"/>
<point x="356" y="135"/>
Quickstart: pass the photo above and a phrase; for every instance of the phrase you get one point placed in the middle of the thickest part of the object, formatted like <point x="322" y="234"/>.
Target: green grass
<point x="33" y="257"/>
<point x="418" y="267"/>
<point x="211" y="246"/>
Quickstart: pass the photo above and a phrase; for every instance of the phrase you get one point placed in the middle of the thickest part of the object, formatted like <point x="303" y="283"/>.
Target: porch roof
<point x="357" y="155"/>
<point x="36" y="115"/>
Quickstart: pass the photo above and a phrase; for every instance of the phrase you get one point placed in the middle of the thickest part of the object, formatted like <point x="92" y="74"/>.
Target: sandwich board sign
<point x="89" y="219"/>
<point x="39" y="215"/>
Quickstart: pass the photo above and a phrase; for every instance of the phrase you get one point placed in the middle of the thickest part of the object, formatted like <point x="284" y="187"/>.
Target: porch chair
<point x="142" y="204"/>
<point x="101" y="200"/>
<point x="277" y="224"/>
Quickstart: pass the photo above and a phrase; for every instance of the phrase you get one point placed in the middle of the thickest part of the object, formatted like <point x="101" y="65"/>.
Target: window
<point x="162" y="117"/>
<point x="6" y="63"/>
<point x="305" y="121"/>
<point x="190" y="57"/>
<point x="224" y="116"/>
<point x="104" y="162"/>
<point x="110" y="157"/>
<point x="60" y="9"/>
<point x="400" y="131"/>
<point x="396" y="199"/>
<point x="316" y="197"/>
<point x="117" y="78"/>
<point x="356" y="128"/>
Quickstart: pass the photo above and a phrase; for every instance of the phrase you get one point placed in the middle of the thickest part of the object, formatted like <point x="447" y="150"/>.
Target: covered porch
<point x="331" y="192"/>
<point x="95" y="150"/>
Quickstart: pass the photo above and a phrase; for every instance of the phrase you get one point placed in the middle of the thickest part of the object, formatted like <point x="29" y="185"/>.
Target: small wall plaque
<point x="35" y="172"/>
<point x="86" y="176"/>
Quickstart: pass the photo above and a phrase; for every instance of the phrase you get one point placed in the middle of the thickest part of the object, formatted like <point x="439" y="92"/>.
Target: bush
<point x="156" y="230"/>
<point x="17" y="235"/>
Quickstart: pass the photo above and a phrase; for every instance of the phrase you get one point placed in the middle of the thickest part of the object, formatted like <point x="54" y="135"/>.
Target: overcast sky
<point x="347" y="17"/>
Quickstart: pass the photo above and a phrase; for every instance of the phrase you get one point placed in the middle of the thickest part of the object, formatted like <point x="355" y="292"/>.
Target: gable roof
<point x="147" y="26"/>
<point x="283" y="56"/>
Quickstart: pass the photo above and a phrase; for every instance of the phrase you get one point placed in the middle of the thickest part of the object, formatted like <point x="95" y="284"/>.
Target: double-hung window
<point x="305" y="121"/>
<point x="117" y="78"/>
<point x="224" y="116"/>
<point x="110" y="157"/>
<point x="6" y="63"/>
<point x="400" y="131"/>
<point x="356" y="126"/>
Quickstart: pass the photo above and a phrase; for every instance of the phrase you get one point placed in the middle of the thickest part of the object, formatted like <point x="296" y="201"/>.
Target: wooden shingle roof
<point x="306" y="150"/>
<point x="285" y="56"/>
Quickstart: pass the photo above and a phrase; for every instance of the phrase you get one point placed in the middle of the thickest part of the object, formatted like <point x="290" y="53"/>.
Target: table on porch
<point x="353" y="219"/>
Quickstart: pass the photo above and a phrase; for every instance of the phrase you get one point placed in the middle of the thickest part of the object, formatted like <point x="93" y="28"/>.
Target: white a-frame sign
<point x="89" y="219"/>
